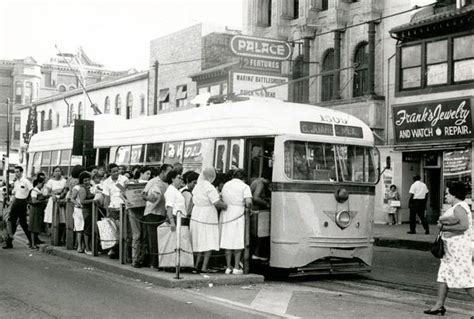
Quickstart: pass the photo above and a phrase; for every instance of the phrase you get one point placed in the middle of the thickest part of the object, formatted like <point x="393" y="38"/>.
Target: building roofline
<point x="90" y="88"/>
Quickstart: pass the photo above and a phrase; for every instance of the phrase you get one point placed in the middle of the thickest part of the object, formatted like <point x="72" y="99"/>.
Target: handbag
<point x="395" y="203"/>
<point x="108" y="233"/>
<point x="437" y="249"/>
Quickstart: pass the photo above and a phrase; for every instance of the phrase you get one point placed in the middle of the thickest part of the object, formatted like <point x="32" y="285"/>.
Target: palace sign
<point x="262" y="48"/>
<point x="442" y="120"/>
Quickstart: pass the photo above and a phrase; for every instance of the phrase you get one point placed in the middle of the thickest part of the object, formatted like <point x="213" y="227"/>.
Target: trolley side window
<point x="138" y="154"/>
<point x="123" y="155"/>
<point x="221" y="156"/>
<point x="154" y="153"/>
<point x="173" y="153"/>
<point x="36" y="163"/>
<point x="45" y="162"/>
<point x="64" y="159"/>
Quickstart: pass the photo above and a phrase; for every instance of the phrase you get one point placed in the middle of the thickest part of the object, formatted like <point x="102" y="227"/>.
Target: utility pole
<point x="156" y="65"/>
<point x="7" y="159"/>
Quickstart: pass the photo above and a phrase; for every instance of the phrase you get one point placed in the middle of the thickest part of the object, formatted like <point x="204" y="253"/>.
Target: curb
<point x="161" y="278"/>
<point x="402" y="243"/>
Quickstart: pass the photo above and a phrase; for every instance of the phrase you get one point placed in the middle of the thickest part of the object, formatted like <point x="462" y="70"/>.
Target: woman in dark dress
<point x="37" y="205"/>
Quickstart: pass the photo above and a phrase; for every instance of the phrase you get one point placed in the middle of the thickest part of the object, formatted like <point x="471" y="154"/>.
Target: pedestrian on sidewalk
<point x="417" y="204"/>
<point x="393" y="198"/>
<point x="37" y="205"/>
<point x="135" y="217"/>
<point x="204" y="222"/>
<point x="238" y="197"/>
<point x="18" y="207"/>
<point x="155" y="210"/>
<point x="456" y="269"/>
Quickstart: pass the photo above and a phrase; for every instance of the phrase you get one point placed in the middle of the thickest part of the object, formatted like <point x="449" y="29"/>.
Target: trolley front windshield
<point x="329" y="162"/>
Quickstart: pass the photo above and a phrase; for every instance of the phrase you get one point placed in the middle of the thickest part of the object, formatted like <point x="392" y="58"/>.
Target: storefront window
<point x="457" y="166"/>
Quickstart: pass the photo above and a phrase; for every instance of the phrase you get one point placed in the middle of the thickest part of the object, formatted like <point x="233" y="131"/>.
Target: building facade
<point x="125" y="96"/>
<point x="24" y="81"/>
<point x="177" y="56"/>
<point x="350" y="57"/>
<point x="430" y="120"/>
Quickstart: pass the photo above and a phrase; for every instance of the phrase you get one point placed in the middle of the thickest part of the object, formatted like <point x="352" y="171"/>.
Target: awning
<point x="164" y="95"/>
<point x="182" y="92"/>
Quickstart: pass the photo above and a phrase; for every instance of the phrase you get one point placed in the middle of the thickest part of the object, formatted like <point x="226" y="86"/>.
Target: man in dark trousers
<point x="18" y="207"/>
<point x="417" y="204"/>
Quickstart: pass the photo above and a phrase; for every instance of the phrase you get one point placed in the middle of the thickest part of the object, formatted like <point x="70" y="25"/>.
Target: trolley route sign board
<point x="433" y="121"/>
<point x="329" y="130"/>
<point x="133" y="195"/>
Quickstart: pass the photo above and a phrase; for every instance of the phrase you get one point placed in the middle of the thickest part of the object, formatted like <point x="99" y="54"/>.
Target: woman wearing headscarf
<point x="204" y="224"/>
<point x="238" y="197"/>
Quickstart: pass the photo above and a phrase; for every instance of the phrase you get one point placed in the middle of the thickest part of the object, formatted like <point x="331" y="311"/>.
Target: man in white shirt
<point x="113" y="198"/>
<point x="155" y="210"/>
<point x="18" y="207"/>
<point x="417" y="204"/>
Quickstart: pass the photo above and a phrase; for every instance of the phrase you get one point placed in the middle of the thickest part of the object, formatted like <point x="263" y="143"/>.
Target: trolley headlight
<point x="343" y="219"/>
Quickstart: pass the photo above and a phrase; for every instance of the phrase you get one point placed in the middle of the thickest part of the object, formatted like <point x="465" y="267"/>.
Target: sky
<point x="115" y="33"/>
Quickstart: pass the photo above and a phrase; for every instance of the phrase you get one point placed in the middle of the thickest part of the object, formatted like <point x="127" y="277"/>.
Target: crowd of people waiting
<point x="213" y="209"/>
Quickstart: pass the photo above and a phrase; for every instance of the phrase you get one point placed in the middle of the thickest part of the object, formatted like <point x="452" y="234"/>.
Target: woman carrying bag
<point x="456" y="269"/>
<point x="394" y="204"/>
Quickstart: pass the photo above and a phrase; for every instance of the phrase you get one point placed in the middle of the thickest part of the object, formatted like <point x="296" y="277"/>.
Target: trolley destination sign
<point x="246" y="46"/>
<point x="442" y="120"/>
<point x="329" y="130"/>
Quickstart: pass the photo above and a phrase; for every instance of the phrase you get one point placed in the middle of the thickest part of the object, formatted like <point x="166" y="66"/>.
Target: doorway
<point x="433" y="182"/>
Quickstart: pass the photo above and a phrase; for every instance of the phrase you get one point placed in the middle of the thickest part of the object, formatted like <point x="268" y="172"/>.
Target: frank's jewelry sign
<point x="442" y="120"/>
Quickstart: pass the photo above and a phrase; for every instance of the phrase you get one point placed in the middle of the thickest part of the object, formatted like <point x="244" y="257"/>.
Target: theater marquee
<point x="433" y="121"/>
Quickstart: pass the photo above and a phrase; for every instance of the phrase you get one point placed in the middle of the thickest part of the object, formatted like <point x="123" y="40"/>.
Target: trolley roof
<point x="254" y="117"/>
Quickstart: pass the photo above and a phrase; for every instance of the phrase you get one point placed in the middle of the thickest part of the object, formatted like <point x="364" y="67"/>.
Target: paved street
<point x="401" y="286"/>
<point x="37" y="285"/>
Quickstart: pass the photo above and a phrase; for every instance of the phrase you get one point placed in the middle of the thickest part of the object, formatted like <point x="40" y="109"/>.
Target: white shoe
<point x="237" y="271"/>
<point x="255" y="257"/>
<point x="228" y="271"/>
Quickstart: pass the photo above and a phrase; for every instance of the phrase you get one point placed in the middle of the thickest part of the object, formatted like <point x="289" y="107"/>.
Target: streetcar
<point x="321" y="163"/>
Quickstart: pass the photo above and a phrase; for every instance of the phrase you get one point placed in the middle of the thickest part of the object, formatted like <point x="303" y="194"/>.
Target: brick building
<point x="24" y="81"/>
<point x="179" y="55"/>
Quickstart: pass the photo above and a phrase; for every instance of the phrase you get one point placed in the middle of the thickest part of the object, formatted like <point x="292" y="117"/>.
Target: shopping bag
<point x="437" y="249"/>
<point x="167" y="247"/>
<point x="395" y="203"/>
<point x="108" y="233"/>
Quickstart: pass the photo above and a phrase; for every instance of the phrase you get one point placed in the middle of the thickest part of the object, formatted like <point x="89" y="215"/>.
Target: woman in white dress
<point x="56" y="188"/>
<point x="456" y="269"/>
<point x="204" y="224"/>
<point x="238" y="197"/>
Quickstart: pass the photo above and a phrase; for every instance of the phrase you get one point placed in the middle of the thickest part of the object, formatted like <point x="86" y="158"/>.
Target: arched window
<point x="42" y="119"/>
<point x="49" y="121"/>
<point x="62" y="88"/>
<point x="28" y="92"/>
<point x="71" y="113"/>
<point x="18" y="91"/>
<point x="142" y="104"/>
<point x="118" y="104"/>
<point x="128" y="111"/>
<point x="361" y="71"/>
<point x="79" y="111"/>
<point x="107" y="105"/>
<point x="327" y="81"/>
<point x="298" y="87"/>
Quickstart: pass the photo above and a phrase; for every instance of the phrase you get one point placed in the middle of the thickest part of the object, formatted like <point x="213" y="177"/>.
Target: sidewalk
<point x="160" y="278"/>
<point x="396" y="236"/>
